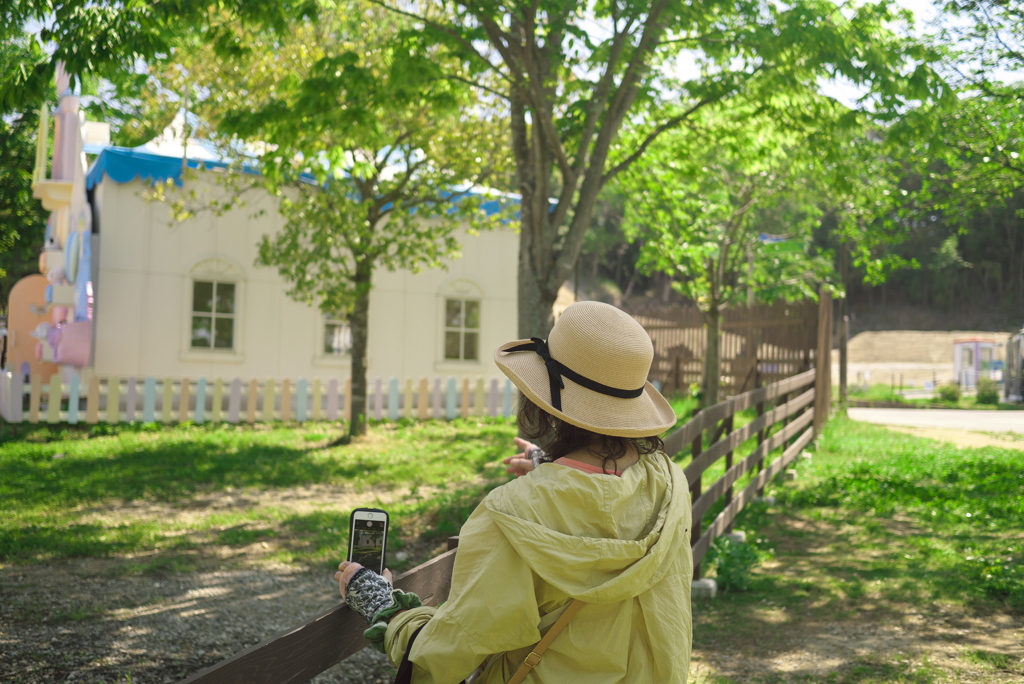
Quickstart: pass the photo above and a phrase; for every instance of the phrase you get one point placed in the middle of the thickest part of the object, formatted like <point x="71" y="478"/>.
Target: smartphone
<point x="368" y="538"/>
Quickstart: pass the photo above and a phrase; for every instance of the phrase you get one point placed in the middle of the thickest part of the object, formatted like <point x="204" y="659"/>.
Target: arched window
<point x="462" y="312"/>
<point x="214" y="304"/>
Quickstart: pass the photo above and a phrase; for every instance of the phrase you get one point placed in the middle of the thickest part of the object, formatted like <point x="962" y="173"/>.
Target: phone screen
<point x="368" y="542"/>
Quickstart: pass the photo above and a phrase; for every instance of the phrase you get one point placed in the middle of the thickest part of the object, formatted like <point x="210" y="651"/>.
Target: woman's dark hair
<point x="559" y="438"/>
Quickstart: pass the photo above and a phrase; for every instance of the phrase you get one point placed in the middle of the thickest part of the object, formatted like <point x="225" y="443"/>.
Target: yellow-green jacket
<point x="621" y="544"/>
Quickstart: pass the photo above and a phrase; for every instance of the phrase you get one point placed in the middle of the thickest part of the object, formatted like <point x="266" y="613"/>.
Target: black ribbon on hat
<point x="557" y="370"/>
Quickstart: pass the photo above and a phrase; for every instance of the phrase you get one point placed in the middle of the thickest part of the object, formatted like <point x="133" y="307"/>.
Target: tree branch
<point x="473" y="84"/>
<point x="651" y="137"/>
<point x="601" y="95"/>
<point x="443" y="29"/>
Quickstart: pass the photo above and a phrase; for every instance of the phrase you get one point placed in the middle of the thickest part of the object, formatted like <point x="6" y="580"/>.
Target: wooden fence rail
<point x="303" y="652"/>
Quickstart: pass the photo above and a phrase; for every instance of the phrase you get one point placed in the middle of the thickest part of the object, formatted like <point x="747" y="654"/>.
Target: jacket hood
<point x="598" y="538"/>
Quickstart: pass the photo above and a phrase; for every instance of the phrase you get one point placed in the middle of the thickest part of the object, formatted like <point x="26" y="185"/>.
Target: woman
<point x="604" y="518"/>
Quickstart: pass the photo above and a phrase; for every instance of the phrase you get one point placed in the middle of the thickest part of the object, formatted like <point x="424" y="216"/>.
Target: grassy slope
<point x="963" y="509"/>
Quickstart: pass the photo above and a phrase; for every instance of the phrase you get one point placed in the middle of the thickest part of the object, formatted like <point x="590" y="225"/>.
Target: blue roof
<point x="123" y="165"/>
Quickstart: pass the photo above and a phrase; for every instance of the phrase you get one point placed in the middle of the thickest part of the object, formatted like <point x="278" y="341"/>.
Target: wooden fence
<point x="772" y="341"/>
<point x="169" y="400"/>
<point x="787" y="419"/>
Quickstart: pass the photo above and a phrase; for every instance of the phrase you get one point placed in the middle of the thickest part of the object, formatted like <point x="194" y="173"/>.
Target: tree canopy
<point x="361" y="138"/>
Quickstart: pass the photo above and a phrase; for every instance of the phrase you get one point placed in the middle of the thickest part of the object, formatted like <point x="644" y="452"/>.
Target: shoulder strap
<point x="404" y="674"/>
<point x="538" y="651"/>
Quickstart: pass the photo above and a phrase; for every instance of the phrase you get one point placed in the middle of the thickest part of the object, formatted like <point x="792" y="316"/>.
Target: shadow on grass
<point x="179" y="464"/>
<point x="49" y="482"/>
<point x="419" y="528"/>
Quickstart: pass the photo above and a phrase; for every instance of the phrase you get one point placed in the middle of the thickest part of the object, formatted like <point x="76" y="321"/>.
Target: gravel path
<point x="73" y="621"/>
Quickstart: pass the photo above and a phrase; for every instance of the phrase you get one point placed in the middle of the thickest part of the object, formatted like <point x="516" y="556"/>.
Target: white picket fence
<point x="169" y="400"/>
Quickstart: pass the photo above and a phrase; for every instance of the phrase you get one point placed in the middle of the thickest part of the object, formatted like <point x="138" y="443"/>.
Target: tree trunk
<point x="535" y="304"/>
<point x="359" y="323"/>
<point x="713" y="356"/>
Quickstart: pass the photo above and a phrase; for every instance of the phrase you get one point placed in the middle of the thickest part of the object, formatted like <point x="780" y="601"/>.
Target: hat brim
<point x="644" y="416"/>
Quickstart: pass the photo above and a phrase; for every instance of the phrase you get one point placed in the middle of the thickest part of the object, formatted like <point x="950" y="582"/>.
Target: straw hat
<point x="591" y="372"/>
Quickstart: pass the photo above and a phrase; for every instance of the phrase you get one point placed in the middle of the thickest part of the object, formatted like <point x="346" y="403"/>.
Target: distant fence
<point x="770" y="342"/>
<point x="170" y="400"/>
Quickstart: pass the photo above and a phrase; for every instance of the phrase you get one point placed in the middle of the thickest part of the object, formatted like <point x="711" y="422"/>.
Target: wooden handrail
<point x="305" y="651"/>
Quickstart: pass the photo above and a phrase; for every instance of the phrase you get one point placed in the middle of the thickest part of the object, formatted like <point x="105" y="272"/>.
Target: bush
<point x="949" y="392"/>
<point x="988" y="391"/>
<point x="733" y="562"/>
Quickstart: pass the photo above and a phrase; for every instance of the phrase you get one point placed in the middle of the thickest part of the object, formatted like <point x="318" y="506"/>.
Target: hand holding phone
<point x="368" y="537"/>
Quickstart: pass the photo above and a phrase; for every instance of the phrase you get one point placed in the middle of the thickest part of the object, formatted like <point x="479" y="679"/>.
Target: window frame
<point x="222" y="271"/>
<point x="463" y="329"/>
<point x="214" y="315"/>
<point x="329" y="320"/>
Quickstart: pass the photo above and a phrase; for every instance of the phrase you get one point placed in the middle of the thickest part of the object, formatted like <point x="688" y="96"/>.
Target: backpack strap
<point x="538" y="651"/>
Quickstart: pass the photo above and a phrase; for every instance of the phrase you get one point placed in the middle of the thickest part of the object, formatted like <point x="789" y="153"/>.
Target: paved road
<point x="982" y="421"/>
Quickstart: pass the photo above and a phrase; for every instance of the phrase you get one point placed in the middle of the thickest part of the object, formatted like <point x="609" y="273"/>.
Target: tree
<point x="571" y="76"/>
<point x="568" y="76"/>
<point x="22" y="217"/>
<point x="966" y="152"/>
<point x="107" y="40"/>
<point x="706" y="211"/>
<point x="371" y="172"/>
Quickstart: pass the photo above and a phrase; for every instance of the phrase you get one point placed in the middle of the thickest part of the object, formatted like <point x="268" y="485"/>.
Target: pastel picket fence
<point x="175" y="400"/>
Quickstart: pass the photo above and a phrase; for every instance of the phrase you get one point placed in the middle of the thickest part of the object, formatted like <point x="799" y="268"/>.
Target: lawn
<point x="891" y="559"/>
<point x="70" y="491"/>
<point x="889" y="393"/>
<point x="59" y="484"/>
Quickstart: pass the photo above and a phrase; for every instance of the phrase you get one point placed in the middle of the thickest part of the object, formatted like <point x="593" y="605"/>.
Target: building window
<point x="213" y="315"/>
<point x="337" y="336"/>
<point x="462" y="329"/>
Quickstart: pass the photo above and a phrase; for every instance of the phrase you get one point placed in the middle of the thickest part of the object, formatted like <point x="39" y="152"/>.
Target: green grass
<point x="875" y="531"/>
<point x="999" y="662"/>
<point x="957" y="513"/>
<point x="926" y="520"/>
<point x="886" y="393"/>
<point x="52" y="478"/>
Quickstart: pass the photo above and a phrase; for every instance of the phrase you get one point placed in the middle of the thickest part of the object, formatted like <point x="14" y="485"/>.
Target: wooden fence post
<point x="183" y="401"/>
<point x="695" y="450"/>
<point x="35" y="398"/>
<point x="844" y="335"/>
<point x="760" y="436"/>
<point x="73" y="394"/>
<point x="823" y="361"/>
<point x="728" y="460"/>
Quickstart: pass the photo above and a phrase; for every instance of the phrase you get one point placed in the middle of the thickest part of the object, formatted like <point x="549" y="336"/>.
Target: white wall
<point x="143" y="298"/>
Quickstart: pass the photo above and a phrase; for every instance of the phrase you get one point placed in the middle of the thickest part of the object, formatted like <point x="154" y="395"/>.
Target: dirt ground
<point x="966" y="438"/>
<point x="904" y="356"/>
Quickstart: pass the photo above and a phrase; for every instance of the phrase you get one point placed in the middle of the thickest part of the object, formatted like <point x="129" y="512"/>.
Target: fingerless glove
<point x="377" y="601"/>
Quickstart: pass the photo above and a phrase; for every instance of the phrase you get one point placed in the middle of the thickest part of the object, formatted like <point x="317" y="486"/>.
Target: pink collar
<point x="587" y="467"/>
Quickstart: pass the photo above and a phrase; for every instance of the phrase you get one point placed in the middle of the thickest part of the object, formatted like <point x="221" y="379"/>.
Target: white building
<point x="187" y="300"/>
